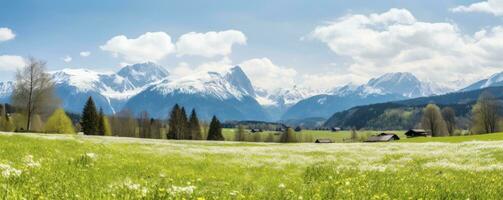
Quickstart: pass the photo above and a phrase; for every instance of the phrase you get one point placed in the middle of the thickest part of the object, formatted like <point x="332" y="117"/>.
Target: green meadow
<point x="50" y="166"/>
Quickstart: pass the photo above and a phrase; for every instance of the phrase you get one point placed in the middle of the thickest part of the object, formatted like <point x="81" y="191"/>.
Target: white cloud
<point x="209" y="44"/>
<point x="151" y="46"/>
<point x="85" y="53"/>
<point x="67" y="59"/>
<point x="396" y="41"/>
<point x="11" y="62"/>
<point x="265" y="74"/>
<point x="6" y="34"/>
<point x="494" y="7"/>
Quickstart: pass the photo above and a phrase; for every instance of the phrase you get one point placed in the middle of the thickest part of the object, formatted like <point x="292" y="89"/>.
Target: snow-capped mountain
<point x="6" y="89"/>
<point x="276" y="102"/>
<point x="228" y="94"/>
<point x="388" y="87"/>
<point x="493" y="81"/>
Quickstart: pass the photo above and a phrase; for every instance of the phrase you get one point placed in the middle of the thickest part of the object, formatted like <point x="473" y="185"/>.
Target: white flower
<point x="175" y="190"/>
<point x="8" y="171"/>
<point x="29" y="162"/>
<point x="91" y="155"/>
<point x="282" y="186"/>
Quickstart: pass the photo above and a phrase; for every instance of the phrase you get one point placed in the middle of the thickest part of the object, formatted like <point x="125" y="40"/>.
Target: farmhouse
<point x="417" y="133"/>
<point x="323" y="141"/>
<point x="256" y="130"/>
<point x="383" y="137"/>
<point x="298" y="129"/>
<point x="335" y="129"/>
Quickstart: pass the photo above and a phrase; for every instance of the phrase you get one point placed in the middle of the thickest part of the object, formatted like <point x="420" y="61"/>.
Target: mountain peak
<point x="238" y="78"/>
<point x="143" y="73"/>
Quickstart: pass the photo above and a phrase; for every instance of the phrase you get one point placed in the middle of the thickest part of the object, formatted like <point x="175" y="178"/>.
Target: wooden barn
<point x="417" y="133"/>
<point x="336" y="129"/>
<point x="383" y="137"/>
<point x="256" y="130"/>
<point x="323" y="141"/>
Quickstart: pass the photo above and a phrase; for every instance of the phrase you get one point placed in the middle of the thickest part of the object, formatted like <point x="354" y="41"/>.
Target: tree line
<point x="484" y="118"/>
<point x="35" y="108"/>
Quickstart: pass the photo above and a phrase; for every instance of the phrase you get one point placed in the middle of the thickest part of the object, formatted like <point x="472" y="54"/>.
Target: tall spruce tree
<point x="101" y="122"/>
<point x="90" y="118"/>
<point x="215" y="131"/>
<point x="184" y="123"/>
<point x="194" y="126"/>
<point x="175" y="124"/>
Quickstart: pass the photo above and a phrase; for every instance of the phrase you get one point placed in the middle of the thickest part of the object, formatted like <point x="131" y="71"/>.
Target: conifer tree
<point x="175" y="127"/>
<point x="101" y="122"/>
<point x="184" y="125"/>
<point x="194" y="126"/>
<point x="90" y="118"/>
<point x="59" y="122"/>
<point x="215" y="130"/>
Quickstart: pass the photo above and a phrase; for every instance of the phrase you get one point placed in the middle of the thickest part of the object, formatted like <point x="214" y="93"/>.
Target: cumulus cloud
<point x="85" y="53"/>
<point x="494" y="7"/>
<point x="11" y="62"/>
<point x="265" y="74"/>
<point x="6" y="34"/>
<point x="151" y="46"/>
<point x="67" y="59"/>
<point x="209" y="44"/>
<point x="396" y="41"/>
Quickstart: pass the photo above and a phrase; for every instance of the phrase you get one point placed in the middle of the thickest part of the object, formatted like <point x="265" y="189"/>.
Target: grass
<point x="457" y="139"/>
<point x="34" y="166"/>
<point x="309" y="136"/>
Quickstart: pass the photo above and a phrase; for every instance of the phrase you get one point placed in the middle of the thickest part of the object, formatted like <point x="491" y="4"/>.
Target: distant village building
<point x="298" y="129"/>
<point x="417" y="133"/>
<point x="256" y="130"/>
<point x="383" y="137"/>
<point x="323" y="141"/>
<point x="335" y="129"/>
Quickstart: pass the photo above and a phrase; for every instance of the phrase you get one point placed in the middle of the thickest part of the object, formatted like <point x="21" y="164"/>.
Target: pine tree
<point x="215" y="131"/>
<point x="101" y="122"/>
<point x="59" y="122"/>
<point x="184" y="125"/>
<point x="174" y="123"/>
<point x="194" y="126"/>
<point x="90" y="118"/>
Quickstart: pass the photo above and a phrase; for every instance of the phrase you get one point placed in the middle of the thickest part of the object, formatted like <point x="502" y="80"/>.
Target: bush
<point x="59" y="122"/>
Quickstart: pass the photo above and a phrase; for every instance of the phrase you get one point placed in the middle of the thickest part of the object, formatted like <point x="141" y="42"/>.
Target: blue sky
<point x="279" y="35"/>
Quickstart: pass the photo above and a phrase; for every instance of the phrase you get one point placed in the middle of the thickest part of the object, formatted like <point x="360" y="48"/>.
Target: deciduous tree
<point x="59" y="122"/>
<point x="485" y="115"/>
<point x="33" y="92"/>
<point x="449" y="116"/>
<point x="432" y="120"/>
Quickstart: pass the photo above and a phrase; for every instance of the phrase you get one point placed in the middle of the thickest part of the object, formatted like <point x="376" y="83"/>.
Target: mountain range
<point x="229" y="93"/>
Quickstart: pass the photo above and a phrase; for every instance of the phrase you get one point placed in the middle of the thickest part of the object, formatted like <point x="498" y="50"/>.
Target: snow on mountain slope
<point x="143" y="74"/>
<point x="493" y="81"/>
<point x="227" y="94"/>
<point x="6" y="88"/>
<point x="388" y="87"/>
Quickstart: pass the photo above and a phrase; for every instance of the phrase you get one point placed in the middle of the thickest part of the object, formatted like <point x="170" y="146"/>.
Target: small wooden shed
<point x="298" y="129"/>
<point x="323" y="141"/>
<point x="417" y="133"/>
<point x="256" y="130"/>
<point x="383" y="137"/>
<point x="336" y="129"/>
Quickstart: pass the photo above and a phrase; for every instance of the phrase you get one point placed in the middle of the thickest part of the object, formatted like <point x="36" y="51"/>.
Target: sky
<point x="279" y="44"/>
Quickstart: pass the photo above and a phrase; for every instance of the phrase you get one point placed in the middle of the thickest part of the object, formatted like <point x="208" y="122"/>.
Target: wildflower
<point x="282" y="186"/>
<point x="175" y="190"/>
<point x="29" y="162"/>
<point x="8" y="171"/>
<point x="91" y="155"/>
<point x="234" y="193"/>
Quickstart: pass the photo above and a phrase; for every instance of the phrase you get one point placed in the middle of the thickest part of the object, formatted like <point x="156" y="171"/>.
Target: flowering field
<point x="76" y="167"/>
